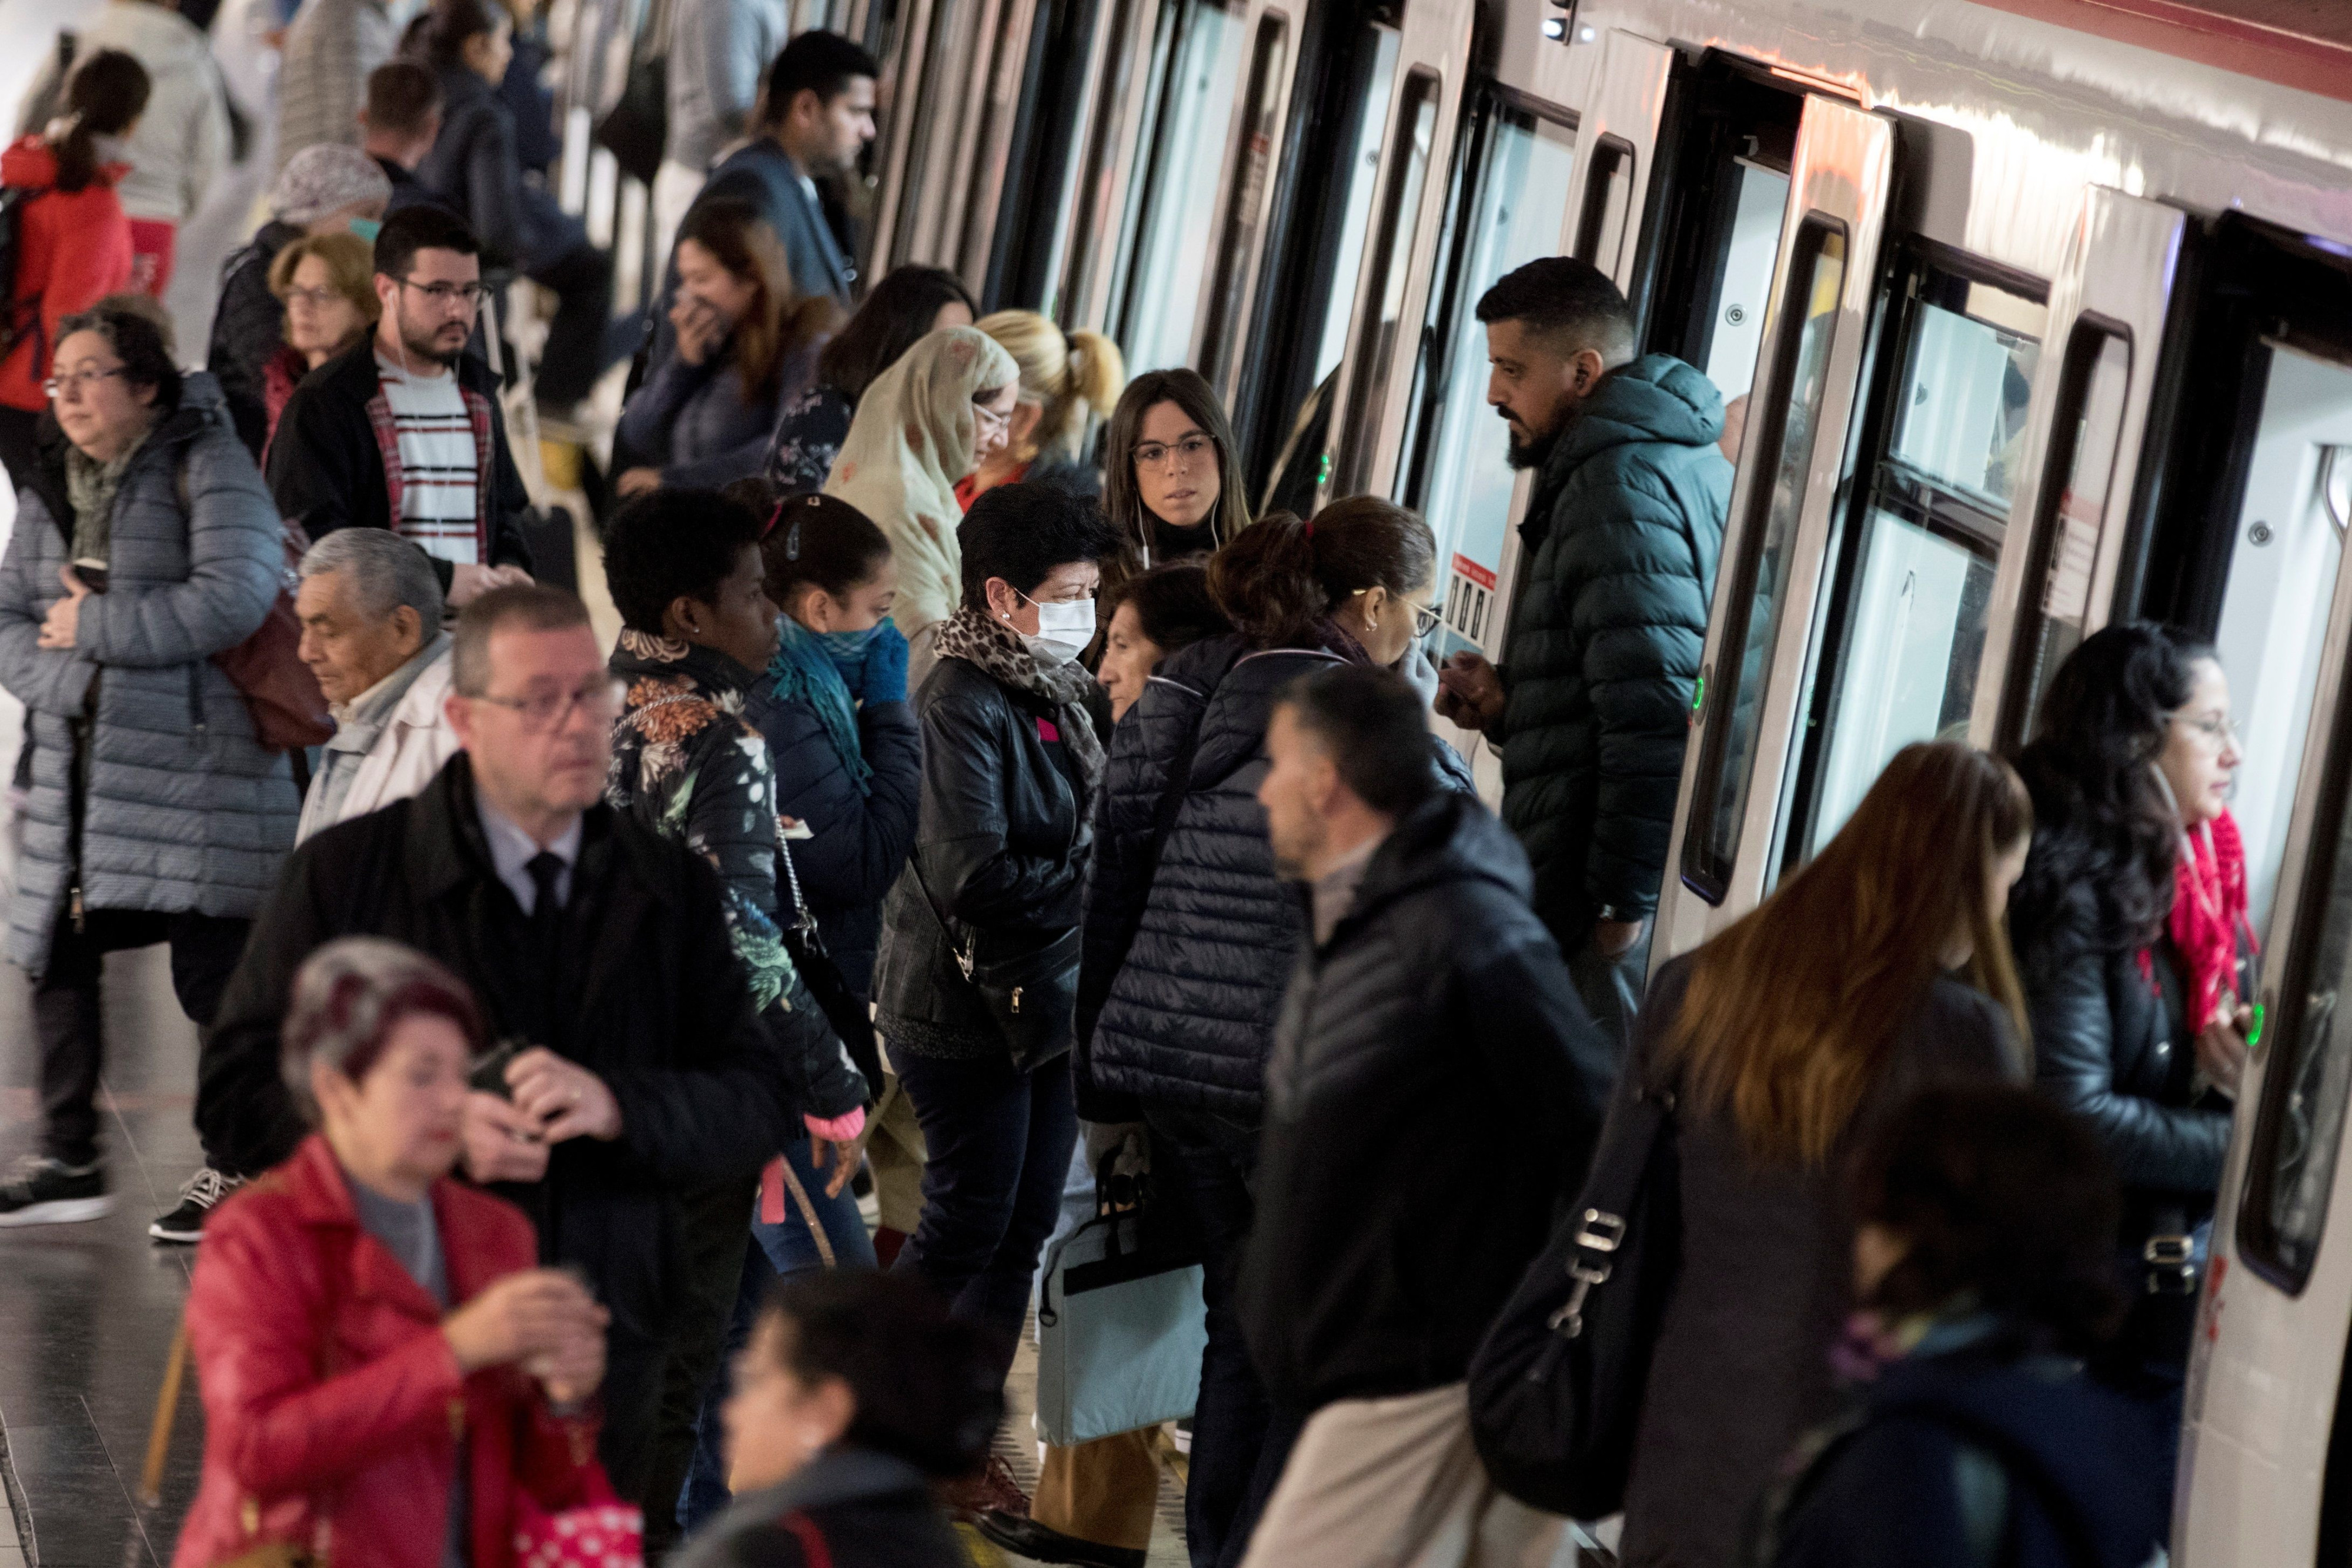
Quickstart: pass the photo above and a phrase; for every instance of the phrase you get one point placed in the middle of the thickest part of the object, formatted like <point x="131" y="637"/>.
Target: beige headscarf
<point x="910" y="442"/>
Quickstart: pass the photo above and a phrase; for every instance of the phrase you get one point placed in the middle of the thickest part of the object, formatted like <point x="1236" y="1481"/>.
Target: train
<point x="2031" y="315"/>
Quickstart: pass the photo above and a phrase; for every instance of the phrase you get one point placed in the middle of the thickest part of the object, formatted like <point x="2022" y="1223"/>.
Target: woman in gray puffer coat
<point x="145" y="545"/>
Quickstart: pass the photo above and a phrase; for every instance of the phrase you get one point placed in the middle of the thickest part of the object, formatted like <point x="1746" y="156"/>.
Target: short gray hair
<point x="348" y="998"/>
<point x="382" y="571"/>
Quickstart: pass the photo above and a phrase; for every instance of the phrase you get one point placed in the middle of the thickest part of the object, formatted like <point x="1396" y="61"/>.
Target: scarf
<point x="909" y="442"/>
<point x="2209" y="913"/>
<point x="971" y="635"/>
<point x="91" y="487"/>
<point x="804" y="672"/>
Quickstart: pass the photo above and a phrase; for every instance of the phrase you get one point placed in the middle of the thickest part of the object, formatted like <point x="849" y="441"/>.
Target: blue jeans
<point x="775" y="1250"/>
<point x="999" y="1141"/>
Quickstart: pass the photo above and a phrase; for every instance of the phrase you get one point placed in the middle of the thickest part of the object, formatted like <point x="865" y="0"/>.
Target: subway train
<point x="2036" y="313"/>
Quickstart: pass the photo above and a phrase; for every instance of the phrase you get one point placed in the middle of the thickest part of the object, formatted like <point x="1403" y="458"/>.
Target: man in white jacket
<point x="371" y="612"/>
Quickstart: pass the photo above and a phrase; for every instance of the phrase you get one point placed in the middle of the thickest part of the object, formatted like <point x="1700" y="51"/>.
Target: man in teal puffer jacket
<point x="1618" y="551"/>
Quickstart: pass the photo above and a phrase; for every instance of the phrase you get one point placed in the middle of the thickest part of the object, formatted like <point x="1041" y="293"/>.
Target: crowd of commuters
<point x="981" y="803"/>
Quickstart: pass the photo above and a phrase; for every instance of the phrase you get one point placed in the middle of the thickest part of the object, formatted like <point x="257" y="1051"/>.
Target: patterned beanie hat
<point x="320" y="179"/>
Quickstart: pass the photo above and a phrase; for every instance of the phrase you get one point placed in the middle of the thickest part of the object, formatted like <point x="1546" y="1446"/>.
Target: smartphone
<point x="93" y="574"/>
<point x="489" y="1073"/>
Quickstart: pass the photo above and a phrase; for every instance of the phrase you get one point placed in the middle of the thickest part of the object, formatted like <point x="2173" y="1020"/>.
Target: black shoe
<point x="1046" y="1544"/>
<point x="42" y="1191"/>
<point x="185" y="1223"/>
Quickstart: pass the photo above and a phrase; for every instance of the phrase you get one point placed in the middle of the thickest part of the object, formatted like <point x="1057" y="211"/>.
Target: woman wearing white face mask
<point x="980" y="948"/>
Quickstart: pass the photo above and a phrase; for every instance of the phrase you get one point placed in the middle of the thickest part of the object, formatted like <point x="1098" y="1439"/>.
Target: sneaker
<point x="186" y="1222"/>
<point x="39" y="1190"/>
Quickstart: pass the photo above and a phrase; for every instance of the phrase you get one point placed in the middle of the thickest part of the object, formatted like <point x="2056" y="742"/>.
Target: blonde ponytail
<point x="1075" y="377"/>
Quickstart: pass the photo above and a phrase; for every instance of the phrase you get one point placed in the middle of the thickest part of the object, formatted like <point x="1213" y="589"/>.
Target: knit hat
<point x="320" y="179"/>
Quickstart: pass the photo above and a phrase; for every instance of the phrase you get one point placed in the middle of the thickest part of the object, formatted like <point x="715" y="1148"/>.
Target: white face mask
<point x="1067" y="627"/>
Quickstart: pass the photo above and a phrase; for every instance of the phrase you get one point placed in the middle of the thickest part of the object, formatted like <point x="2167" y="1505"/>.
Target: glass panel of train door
<point x="2082" y="448"/>
<point x="1179" y="186"/>
<point x="1916" y="573"/>
<point x="1511" y="213"/>
<point x="2283" y="565"/>
<point x="1391" y="266"/>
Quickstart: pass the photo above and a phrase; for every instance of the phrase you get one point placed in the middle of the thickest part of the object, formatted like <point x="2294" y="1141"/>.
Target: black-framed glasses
<point x="540" y="712"/>
<point x="1425" y="618"/>
<point x="470" y="295"/>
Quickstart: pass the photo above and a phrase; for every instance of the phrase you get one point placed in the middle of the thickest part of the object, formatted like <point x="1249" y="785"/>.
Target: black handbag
<point x="1556" y="1389"/>
<point x="842" y="1005"/>
<point x="1030" y="994"/>
<point x="635" y="129"/>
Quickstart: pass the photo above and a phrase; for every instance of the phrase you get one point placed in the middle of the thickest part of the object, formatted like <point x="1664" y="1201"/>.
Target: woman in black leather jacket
<point x="991" y="900"/>
<point x="2132" y="939"/>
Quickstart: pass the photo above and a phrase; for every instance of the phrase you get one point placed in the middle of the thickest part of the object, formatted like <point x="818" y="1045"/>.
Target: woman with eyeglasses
<point x="2137" y="957"/>
<point x="926" y="422"/>
<point x="145" y="545"/>
<point x="1190" y="935"/>
<point x="1172" y="485"/>
<point x="327" y="283"/>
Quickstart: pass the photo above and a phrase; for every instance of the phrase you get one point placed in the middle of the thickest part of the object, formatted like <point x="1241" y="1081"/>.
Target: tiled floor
<point x="87" y="1311"/>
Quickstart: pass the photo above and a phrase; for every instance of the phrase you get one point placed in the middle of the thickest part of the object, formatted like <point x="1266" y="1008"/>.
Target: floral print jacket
<point x="689" y="766"/>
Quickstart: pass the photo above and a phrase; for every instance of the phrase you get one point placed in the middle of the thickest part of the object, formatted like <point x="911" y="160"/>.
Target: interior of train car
<point x="2029" y="318"/>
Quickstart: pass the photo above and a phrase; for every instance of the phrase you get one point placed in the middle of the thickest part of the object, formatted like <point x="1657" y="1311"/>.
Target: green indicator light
<point x="1323" y="471"/>
<point x="1699" y="693"/>
<point x="2254" y="1035"/>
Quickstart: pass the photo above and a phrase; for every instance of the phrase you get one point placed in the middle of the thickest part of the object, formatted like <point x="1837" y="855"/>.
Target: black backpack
<point x="22" y="319"/>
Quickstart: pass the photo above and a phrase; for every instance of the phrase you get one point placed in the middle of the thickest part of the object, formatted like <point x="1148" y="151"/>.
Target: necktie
<point x="546" y="914"/>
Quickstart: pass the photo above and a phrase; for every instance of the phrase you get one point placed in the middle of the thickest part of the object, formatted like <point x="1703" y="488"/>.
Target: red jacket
<point x="332" y="1403"/>
<point x="73" y="248"/>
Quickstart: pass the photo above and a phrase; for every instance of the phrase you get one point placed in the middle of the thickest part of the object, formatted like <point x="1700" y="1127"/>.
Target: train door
<point x="2248" y="546"/>
<point x="1510" y="201"/>
<point x="1373" y="388"/>
<point x="1784" y="506"/>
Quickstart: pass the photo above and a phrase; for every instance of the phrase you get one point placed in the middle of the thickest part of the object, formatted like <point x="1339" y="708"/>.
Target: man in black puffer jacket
<point x="1430" y="1016"/>
<point x="1619" y="550"/>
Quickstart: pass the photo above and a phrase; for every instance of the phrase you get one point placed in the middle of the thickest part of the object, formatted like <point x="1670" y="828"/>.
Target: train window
<point x="1363" y="174"/>
<point x="1391" y="266"/>
<point x="1915" y="586"/>
<point x="1749" y="251"/>
<point x="1513" y="205"/>
<point x="1793" y="403"/>
<point x="2298" y="1130"/>
<point x="2282" y="575"/>
<point x="1245" y="198"/>
<point x="2081" y="471"/>
<point x="1188" y="154"/>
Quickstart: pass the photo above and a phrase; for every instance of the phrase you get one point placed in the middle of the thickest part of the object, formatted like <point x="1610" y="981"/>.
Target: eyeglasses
<point x="79" y="382"/>
<point x="990" y="420"/>
<point x="1188" y="451"/>
<point x="2219" y="734"/>
<point x="444" y="294"/>
<point x="318" y="299"/>
<point x="542" y="711"/>
<point x="1425" y="619"/>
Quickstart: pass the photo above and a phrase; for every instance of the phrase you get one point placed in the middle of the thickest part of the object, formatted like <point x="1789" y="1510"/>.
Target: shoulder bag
<point x="1031" y="995"/>
<point x="1556" y="1389"/>
<point x="635" y="129"/>
<point x="843" y="1007"/>
<point x="289" y="712"/>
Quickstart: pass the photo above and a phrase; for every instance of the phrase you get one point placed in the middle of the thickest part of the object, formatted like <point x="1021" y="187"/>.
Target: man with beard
<point x="404" y="432"/>
<point x="1619" y="547"/>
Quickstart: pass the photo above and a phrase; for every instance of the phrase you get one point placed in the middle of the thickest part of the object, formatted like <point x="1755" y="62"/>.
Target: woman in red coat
<point x="384" y="1372"/>
<point x="73" y="243"/>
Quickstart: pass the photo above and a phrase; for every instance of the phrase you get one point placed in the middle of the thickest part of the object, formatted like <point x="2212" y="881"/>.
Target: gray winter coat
<point x="181" y="808"/>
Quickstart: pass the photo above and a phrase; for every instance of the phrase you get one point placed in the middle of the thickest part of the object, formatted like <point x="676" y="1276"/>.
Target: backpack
<point x="20" y="319"/>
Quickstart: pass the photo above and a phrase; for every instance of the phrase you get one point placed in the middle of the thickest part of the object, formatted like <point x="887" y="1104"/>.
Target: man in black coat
<point x="642" y="1094"/>
<point x="404" y="432"/>
<point x="1433" y="1095"/>
<point x="1617" y="562"/>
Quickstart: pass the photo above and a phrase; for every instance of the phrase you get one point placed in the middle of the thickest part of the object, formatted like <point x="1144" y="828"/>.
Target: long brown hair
<point x="104" y="96"/>
<point x="1280" y="580"/>
<point x="779" y="322"/>
<point x="1790" y="1013"/>
<point x="1123" y="503"/>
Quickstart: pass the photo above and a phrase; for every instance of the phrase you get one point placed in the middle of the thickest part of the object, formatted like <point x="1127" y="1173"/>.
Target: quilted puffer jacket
<point x="1187" y="950"/>
<point x="1621" y="536"/>
<point x="177" y="805"/>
